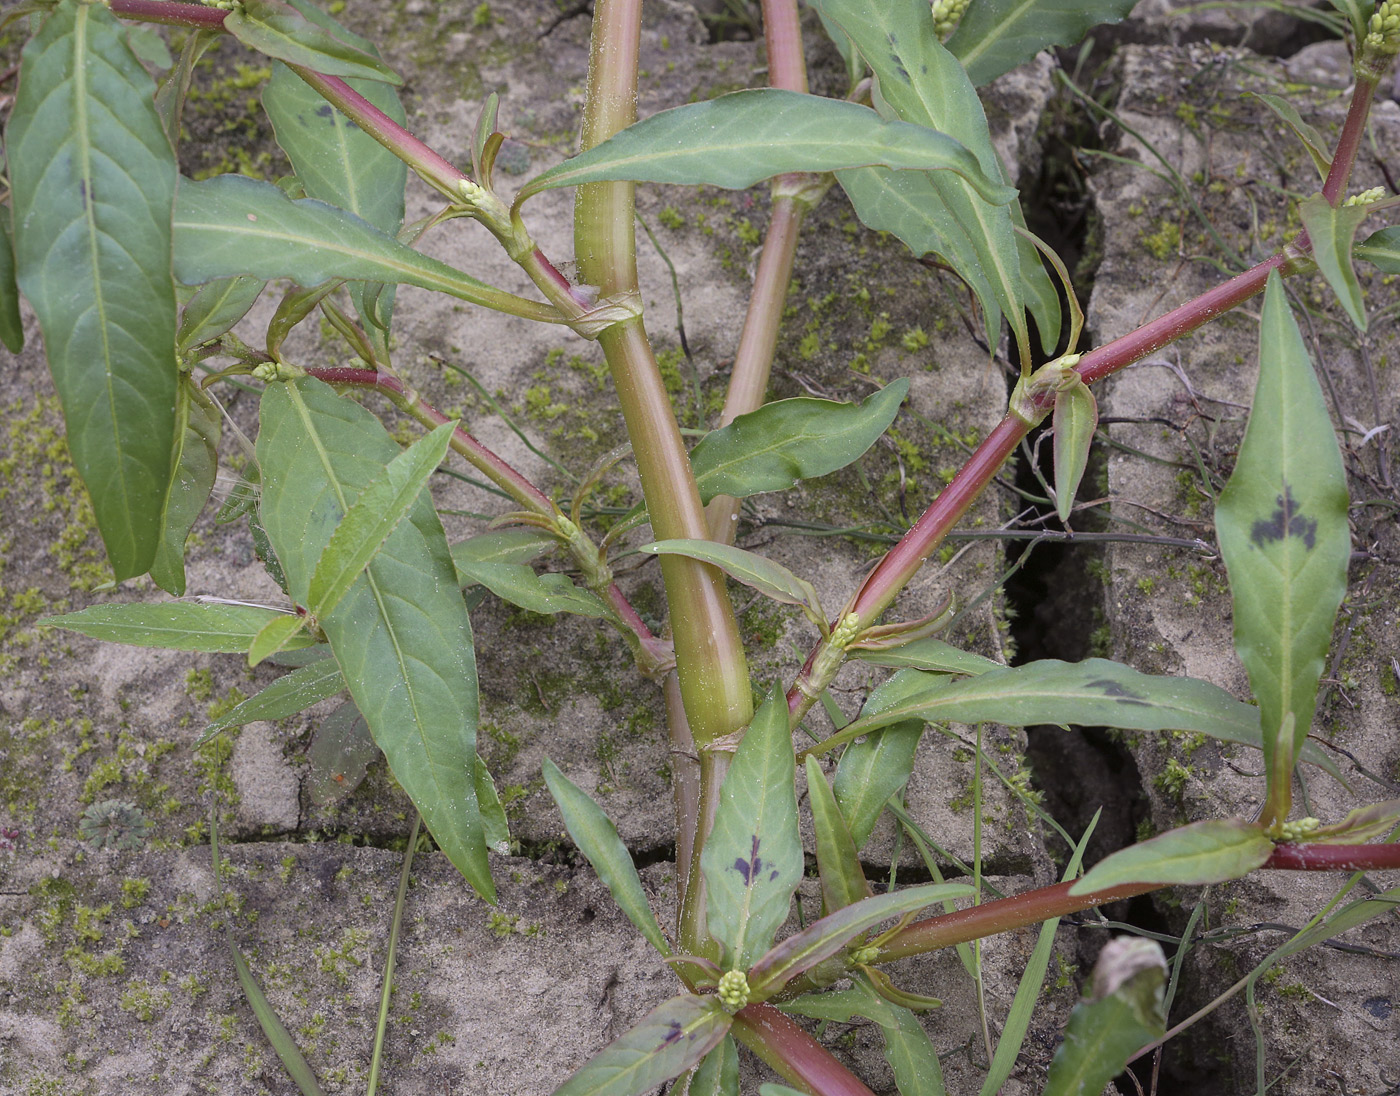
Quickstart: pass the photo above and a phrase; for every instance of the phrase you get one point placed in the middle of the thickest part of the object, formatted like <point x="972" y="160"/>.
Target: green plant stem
<point x="798" y="1058"/>
<point x="387" y="990"/>
<point x="710" y="660"/>
<point x="652" y="653"/>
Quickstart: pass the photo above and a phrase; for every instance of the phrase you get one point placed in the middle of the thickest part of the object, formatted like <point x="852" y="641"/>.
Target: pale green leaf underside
<point x="523" y="586"/>
<point x="742" y="138"/>
<point x="752" y="862"/>
<point x="997" y="35"/>
<point x="842" y="880"/>
<point x="789" y="440"/>
<point x="929" y="654"/>
<point x="1332" y="231"/>
<point x="401" y="634"/>
<point x="216" y="307"/>
<point x="664" y="1044"/>
<point x="596" y="837"/>
<point x="234" y="225"/>
<point x="1382" y="249"/>
<point x="93" y="179"/>
<point x="1203" y="852"/>
<point x="767" y="577"/>
<point x="289" y="694"/>
<point x="1282" y="525"/>
<point x="277" y="30"/>
<point x="176" y="625"/>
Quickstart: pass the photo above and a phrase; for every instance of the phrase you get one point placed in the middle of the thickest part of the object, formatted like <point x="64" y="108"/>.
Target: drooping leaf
<point x="997" y="35"/>
<point x="1125" y="1011"/>
<point x="1382" y="250"/>
<point x="744" y="137"/>
<point x="1312" y="140"/>
<point x="504" y="546"/>
<point x="234" y="225"/>
<point x="523" y="586"/>
<point x="341" y="751"/>
<point x="279" y="30"/>
<point x="1203" y="852"/>
<point x="768" y="578"/>
<point x="870" y="771"/>
<point x="665" y="1043"/>
<point x="215" y="308"/>
<point x="823" y="939"/>
<point x="373" y="517"/>
<point x="93" y="179"/>
<point x="493" y="815"/>
<point x="11" y="329"/>
<point x="772" y="448"/>
<point x="195" y="463"/>
<point x="718" y="1072"/>
<point x="843" y="881"/>
<point x="289" y="694"/>
<point x="177" y="625"/>
<point x="277" y="1034"/>
<point x="1075" y="419"/>
<point x="929" y="654"/>
<point x="1282" y="525"/>
<point x="401" y="635"/>
<point x="596" y="837"/>
<point x="752" y="862"/>
<point x="919" y="81"/>
<point x="1332" y="232"/>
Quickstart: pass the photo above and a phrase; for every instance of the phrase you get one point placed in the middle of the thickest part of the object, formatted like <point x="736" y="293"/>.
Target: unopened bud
<point x="733" y="990"/>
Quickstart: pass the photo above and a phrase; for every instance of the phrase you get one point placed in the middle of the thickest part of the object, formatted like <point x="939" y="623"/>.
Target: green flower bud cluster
<point x="846" y="631"/>
<point x="733" y="990"/>
<point x="268" y="372"/>
<point x="946" y="14"/>
<point x="472" y="193"/>
<point x="1296" y="831"/>
<point x="863" y="957"/>
<point x="1366" y="197"/>
<point x="1383" y="33"/>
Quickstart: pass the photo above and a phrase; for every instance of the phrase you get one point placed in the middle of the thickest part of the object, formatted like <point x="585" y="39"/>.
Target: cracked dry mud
<point x="115" y="973"/>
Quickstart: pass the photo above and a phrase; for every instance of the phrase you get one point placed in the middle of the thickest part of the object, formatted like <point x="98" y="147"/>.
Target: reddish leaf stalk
<point x="798" y="1058"/>
<point x="1349" y="143"/>
<point x="170" y="14"/>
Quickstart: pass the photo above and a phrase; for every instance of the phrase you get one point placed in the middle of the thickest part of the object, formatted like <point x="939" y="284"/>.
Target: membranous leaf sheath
<point x="93" y="182"/>
<point x="1282" y="524"/>
<point x="400" y="633"/>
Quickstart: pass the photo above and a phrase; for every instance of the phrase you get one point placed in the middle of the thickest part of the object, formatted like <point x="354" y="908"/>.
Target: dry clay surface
<point x="115" y="969"/>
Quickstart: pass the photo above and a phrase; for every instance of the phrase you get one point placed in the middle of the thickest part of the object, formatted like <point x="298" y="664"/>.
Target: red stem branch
<point x="794" y="1054"/>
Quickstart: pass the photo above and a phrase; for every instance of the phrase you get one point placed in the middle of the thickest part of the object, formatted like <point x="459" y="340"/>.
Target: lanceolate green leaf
<point x="718" y="1073"/>
<point x="1382" y="249"/>
<point x="1332" y="231"/>
<point x="1075" y="420"/>
<point x="843" y="881"/>
<point x="177" y="625"/>
<point x="1312" y="140"/>
<point x="233" y="225"/>
<point x="289" y="694"/>
<point x="768" y="578"/>
<point x="523" y="586"/>
<point x="1125" y="1013"/>
<point x="823" y="939"/>
<point x="401" y="635"/>
<point x="596" y="837"/>
<point x="11" y="329"/>
<point x="997" y="35"/>
<point x="504" y="546"/>
<point x="1203" y="852"/>
<point x="215" y="308"/>
<point x="195" y="462"/>
<point x="772" y="448"/>
<point x="373" y="517"/>
<point x="493" y="815"/>
<point x="277" y="1034"/>
<point x="276" y="634"/>
<point x="745" y="137"/>
<point x="279" y="30"/>
<point x="668" y="1041"/>
<point x="870" y="771"/>
<point x="929" y="654"/>
<point x="752" y="862"/>
<point x="922" y="83"/>
<point x="1282" y="524"/>
<point x="93" y="179"/>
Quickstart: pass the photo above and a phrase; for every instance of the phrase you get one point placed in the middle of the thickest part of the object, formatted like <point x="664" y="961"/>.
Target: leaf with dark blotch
<point x="823" y="939"/>
<point x="843" y="881"/>
<point x="771" y="449"/>
<point x="93" y="180"/>
<point x="997" y="35"/>
<point x="11" y="329"/>
<point x="176" y="625"/>
<point x="664" y="1044"/>
<point x="752" y="861"/>
<point x="596" y="837"/>
<point x="1203" y="852"/>
<point x="289" y="694"/>
<point x="401" y="634"/>
<point x="1282" y="525"/>
<point x="196" y="462"/>
<point x="278" y="30"/>
<point x="744" y="137"/>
